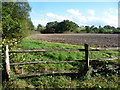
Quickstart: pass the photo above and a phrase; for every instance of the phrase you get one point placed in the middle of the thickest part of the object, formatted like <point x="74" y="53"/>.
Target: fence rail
<point x="48" y="73"/>
<point x="87" y="60"/>
<point x="46" y="62"/>
<point x="47" y="50"/>
<point x="55" y="62"/>
<point x="43" y="50"/>
<point x="104" y="49"/>
<point x="107" y="59"/>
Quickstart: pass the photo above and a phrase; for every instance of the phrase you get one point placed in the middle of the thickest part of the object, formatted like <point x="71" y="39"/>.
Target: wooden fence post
<point x="87" y="56"/>
<point x="7" y="62"/>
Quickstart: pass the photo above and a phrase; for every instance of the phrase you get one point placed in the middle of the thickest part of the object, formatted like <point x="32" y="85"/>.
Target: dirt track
<point x="98" y="40"/>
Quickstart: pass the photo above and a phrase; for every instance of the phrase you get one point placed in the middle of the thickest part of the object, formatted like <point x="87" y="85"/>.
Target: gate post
<point x="7" y="62"/>
<point x="86" y="56"/>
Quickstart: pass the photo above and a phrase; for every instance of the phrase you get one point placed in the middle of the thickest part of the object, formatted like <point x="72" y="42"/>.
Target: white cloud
<point x="91" y="12"/>
<point x="49" y="17"/>
<point x="56" y="17"/>
<point x="42" y="22"/>
<point x="113" y="11"/>
<point x="109" y="18"/>
<point x="74" y="12"/>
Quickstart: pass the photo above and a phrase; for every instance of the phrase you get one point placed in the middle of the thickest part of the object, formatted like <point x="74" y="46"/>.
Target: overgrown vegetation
<point x="104" y="74"/>
<point x="15" y="25"/>
<point x="15" y="20"/>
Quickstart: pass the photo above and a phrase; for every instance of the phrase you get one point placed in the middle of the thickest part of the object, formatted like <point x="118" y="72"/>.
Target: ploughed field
<point x="97" y="40"/>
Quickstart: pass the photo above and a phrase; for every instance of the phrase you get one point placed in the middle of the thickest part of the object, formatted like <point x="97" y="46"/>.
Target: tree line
<point x="58" y="27"/>
<point x="16" y="22"/>
<point x="67" y="26"/>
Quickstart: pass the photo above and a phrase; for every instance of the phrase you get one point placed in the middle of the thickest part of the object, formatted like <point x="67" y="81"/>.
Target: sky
<point x="82" y="13"/>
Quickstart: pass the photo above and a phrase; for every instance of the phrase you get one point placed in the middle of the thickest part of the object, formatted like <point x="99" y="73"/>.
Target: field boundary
<point x="86" y="60"/>
<point x="94" y="40"/>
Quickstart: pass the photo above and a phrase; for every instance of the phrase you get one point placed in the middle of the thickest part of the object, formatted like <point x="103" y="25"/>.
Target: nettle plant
<point x="12" y="43"/>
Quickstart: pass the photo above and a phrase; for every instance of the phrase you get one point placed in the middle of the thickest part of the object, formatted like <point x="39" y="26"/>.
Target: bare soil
<point x="97" y="40"/>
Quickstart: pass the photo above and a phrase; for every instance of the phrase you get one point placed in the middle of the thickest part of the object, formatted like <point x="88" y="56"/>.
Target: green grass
<point x="54" y="56"/>
<point x="98" y="80"/>
<point x="47" y="56"/>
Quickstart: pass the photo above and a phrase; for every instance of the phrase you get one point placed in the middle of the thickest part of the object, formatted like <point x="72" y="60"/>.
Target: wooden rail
<point x="86" y="50"/>
<point x="48" y="50"/>
<point x="108" y="59"/>
<point x="46" y="62"/>
<point x="47" y="73"/>
<point x="55" y="62"/>
<point x="104" y="49"/>
<point x="43" y="50"/>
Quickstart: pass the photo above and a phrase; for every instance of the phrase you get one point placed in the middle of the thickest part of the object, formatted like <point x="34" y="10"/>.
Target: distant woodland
<point x="67" y="26"/>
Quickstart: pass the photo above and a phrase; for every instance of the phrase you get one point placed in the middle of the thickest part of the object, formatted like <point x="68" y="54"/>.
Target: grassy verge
<point x="100" y="79"/>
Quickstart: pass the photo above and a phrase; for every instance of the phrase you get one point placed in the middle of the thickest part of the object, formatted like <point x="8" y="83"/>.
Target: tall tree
<point x="67" y="26"/>
<point x="15" y="19"/>
<point x="51" y="27"/>
<point x="87" y="28"/>
<point x="60" y="27"/>
<point x="30" y="24"/>
<point x="39" y="27"/>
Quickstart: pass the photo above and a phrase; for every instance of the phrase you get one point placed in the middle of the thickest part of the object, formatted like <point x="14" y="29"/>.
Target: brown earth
<point x="97" y="40"/>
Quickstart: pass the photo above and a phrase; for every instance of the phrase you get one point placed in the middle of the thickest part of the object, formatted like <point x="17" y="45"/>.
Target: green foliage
<point x="53" y="82"/>
<point x="15" y="21"/>
<point x="101" y="82"/>
<point x="61" y="27"/>
<point x="51" y="27"/>
<point x="67" y="25"/>
<point x="116" y="31"/>
<point x="30" y="26"/>
<point x="79" y="30"/>
<point x="68" y="82"/>
<point x="16" y="84"/>
<point x="107" y="29"/>
<point x="87" y="28"/>
<point x="12" y="43"/>
<point x="39" y="27"/>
